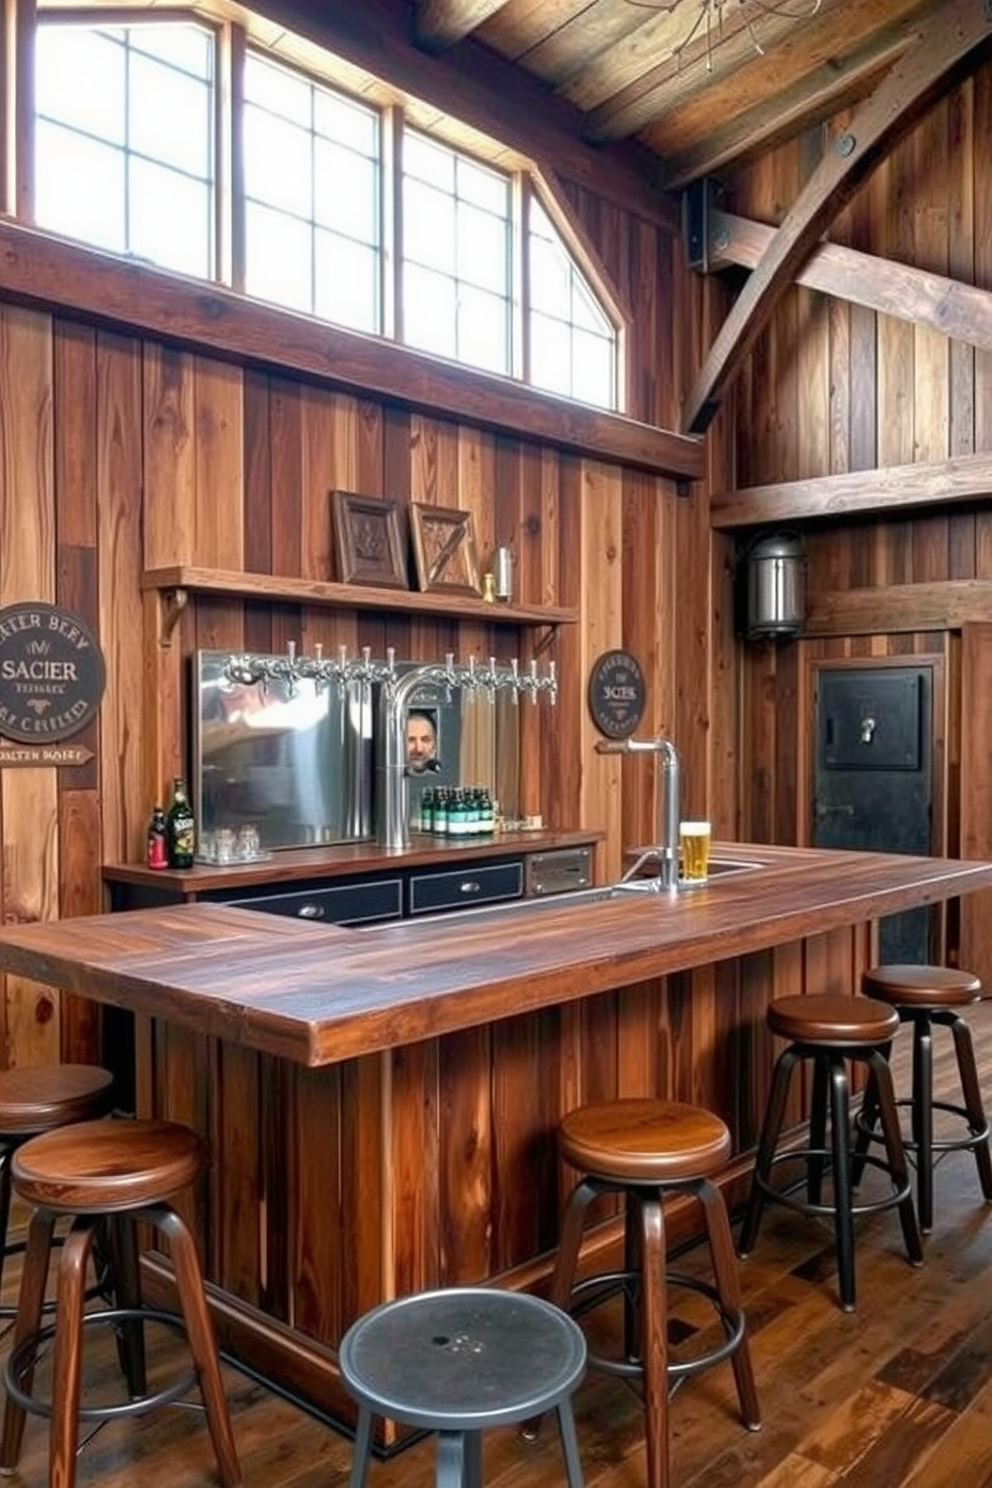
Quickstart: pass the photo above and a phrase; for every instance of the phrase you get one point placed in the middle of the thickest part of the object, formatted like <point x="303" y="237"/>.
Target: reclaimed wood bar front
<point x="381" y="1105"/>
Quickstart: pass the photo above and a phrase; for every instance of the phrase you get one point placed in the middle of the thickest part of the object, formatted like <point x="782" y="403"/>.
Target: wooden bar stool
<point x="923" y="996"/>
<point x="39" y="1098"/>
<point x="110" y="1173"/>
<point x="458" y="1361"/>
<point x="829" y="1030"/>
<point x="647" y="1150"/>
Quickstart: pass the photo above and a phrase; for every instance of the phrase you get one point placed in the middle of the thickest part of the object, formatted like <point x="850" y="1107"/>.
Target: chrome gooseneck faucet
<point x="395" y="698"/>
<point x="667" y="845"/>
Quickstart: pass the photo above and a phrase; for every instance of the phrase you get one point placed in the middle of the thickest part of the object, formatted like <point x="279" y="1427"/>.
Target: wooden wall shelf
<point x="177" y="582"/>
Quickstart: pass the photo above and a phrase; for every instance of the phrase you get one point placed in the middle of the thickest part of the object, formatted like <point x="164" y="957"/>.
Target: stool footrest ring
<point x="976" y="1135"/>
<point x="27" y="1352"/>
<point x="607" y="1283"/>
<point x="805" y="1206"/>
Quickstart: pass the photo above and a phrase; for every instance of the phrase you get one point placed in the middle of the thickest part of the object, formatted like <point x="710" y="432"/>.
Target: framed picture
<point x="369" y="541"/>
<point x="444" y="549"/>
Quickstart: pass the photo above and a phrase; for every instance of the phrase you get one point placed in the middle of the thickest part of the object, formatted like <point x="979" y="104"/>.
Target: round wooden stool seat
<point x="644" y="1141"/>
<point x="828" y="1018"/>
<point x="922" y="986"/>
<point x="39" y="1097"/>
<point x="930" y="997"/>
<point x="647" y="1151"/>
<point x="107" y="1167"/>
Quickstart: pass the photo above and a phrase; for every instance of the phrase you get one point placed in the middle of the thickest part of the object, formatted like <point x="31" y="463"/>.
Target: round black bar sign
<point x="617" y="694"/>
<point x="52" y="673"/>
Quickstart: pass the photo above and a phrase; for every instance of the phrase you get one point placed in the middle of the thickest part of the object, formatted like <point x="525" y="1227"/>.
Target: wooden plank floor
<point x="897" y="1395"/>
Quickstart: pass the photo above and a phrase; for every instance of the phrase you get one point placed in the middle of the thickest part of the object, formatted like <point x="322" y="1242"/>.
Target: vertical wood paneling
<point x="219" y="454"/>
<point x="124" y="795"/>
<point x="598" y="560"/>
<point x="28" y="798"/>
<point x="413" y="1156"/>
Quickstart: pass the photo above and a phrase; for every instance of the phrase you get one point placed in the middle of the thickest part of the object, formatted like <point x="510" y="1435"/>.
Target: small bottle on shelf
<point x="181" y="828"/>
<point x="158" y="831"/>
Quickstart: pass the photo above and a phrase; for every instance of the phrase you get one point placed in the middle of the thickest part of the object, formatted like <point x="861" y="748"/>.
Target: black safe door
<point x="873" y="777"/>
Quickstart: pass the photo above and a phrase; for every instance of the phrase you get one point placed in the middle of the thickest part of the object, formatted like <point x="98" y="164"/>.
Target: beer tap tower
<point x="395" y="692"/>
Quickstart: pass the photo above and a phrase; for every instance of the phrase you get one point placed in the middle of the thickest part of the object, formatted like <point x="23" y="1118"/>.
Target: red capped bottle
<point x="158" y="832"/>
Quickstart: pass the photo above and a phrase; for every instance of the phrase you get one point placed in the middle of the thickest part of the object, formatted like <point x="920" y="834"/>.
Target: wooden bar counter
<point x="381" y="1105"/>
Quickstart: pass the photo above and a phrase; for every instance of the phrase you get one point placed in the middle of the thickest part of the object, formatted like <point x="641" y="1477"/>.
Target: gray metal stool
<point x="457" y="1361"/>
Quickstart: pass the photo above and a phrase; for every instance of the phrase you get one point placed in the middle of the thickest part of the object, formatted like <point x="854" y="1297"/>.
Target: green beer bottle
<point x="181" y="828"/>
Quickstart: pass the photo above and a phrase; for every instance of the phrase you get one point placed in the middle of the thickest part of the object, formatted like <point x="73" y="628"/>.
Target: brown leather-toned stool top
<point x="644" y="1141"/>
<point x="832" y="1018"/>
<point x="107" y="1166"/>
<point x="39" y="1097"/>
<point x="922" y="986"/>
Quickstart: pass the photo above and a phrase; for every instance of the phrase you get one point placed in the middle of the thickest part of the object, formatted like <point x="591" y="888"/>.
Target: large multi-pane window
<point x="124" y="136"/>
<point x="312" y="194"/>
<point x="127" y="124"/>
<point x="457" y="287"/>
<point x="572" y="343"/>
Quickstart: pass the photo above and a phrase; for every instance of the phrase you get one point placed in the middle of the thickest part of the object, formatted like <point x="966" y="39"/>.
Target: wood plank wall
<point x="833" y="388"/>
<point x="120" y="453"/>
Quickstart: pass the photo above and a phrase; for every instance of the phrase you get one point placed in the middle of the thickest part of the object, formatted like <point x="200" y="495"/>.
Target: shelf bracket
<point x="546" y="639"/>
<point x="174" y="601"/>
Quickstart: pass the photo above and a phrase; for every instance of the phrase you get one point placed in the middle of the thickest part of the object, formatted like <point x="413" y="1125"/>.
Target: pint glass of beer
<point x="694" y="837"/>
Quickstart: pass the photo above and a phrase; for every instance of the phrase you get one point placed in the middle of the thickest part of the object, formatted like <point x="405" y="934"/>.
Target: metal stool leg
<point x="569" y="1445"/>
<point x="977" y="1120"/>
<point x="455" y="1467"/>
<point x="922" y="1116"/>
<point x="819" y="1101"/>
<point x="895" y="1154"/>
<point x="840" y="1110"/>
<point x="362" y="1454"/>
<point x="34" y="1277"/>
<point x="654" y="1339"/>
<point x="771" y="1126"/>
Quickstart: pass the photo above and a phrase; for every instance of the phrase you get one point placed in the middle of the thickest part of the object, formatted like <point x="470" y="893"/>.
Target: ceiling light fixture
<point x="712" y="13"/>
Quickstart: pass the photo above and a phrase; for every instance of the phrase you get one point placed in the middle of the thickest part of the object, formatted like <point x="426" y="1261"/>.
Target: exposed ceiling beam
<point x="442" y="23"/>
<point x="474" y="85"/>
<point x="856" y="493"/>
<point x="940" y="46"/>
<point x="640" y="96"/>
<point x="833" y="86"/>
<point x="946" y="305"/>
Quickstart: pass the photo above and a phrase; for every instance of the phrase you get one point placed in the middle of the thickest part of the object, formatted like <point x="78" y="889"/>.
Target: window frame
<point x="234" y="36"/>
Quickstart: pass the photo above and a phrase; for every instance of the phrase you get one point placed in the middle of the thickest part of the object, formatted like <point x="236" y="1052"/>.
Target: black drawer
<point x="430" y="892"/>
<point x="345" y="904"/>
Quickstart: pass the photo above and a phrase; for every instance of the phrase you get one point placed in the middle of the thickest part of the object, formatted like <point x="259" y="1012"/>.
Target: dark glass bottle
<point x="181" y="835"/>
<point x="158" y="833"/>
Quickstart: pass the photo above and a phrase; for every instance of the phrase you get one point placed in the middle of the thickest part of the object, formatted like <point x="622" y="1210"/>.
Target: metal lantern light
<point x="775" y="569"/>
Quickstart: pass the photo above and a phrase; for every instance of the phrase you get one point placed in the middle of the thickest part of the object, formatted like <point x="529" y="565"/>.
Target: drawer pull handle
<point x="310" y="912"/>
<point x="470" y="886"/>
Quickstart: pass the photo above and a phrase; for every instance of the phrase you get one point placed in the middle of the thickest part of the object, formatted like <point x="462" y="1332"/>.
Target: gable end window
<point x="187" y="144"/>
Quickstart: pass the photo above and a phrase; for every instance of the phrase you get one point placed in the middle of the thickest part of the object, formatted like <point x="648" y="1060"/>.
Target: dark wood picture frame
<point x="368" y="536"/>
<point x="444" y="549"/>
